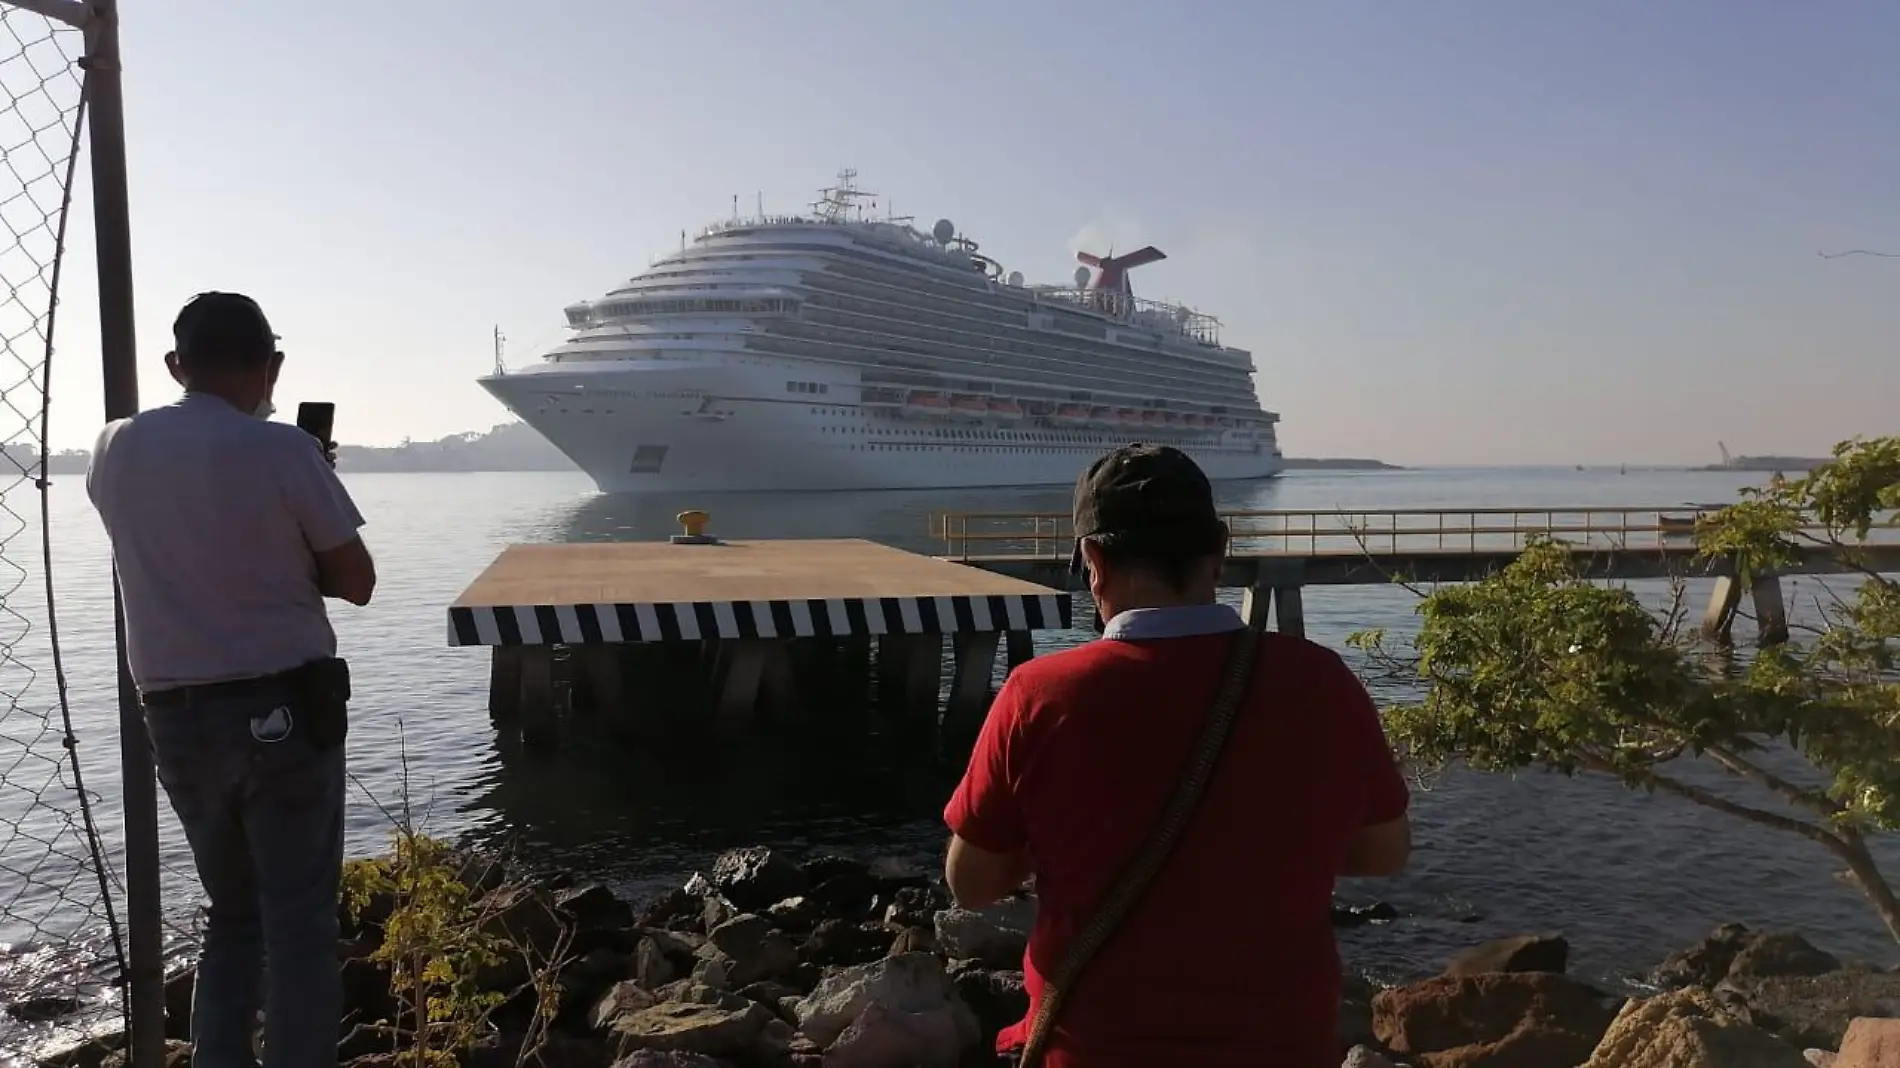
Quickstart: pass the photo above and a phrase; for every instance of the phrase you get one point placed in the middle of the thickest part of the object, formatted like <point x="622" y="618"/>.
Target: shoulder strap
<point x="1125" y="893"/>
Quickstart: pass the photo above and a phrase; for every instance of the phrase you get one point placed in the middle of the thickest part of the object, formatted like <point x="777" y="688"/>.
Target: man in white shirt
<point x="228" y="531"/>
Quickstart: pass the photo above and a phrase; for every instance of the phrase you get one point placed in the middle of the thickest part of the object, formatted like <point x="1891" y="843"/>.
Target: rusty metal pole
<point x="112" y="230"/>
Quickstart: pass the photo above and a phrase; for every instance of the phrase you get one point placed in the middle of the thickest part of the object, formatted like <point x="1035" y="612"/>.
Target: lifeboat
<point x="1171" y="419"/>
<point x="1151" y="418"/>
<point x="970" y="405"/>
<point x="1006" y="409"/>
<point x="1072" y="415"/>
<point x="1127" y="417"/>
<point x="924" y="403"/>
<point x="1102" y="417"/>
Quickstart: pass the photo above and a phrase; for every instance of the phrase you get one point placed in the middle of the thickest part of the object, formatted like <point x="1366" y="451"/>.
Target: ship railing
<point x="1321" y="532"/>
<point x="1173" y="316"/>
<point x="889" y="225"/>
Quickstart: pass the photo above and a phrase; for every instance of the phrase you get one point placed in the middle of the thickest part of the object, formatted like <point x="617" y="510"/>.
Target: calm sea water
<point x="1625" y="876"/>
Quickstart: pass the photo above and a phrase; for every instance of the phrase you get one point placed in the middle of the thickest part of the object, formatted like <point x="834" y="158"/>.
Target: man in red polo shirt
<point x="1228" y="959"/>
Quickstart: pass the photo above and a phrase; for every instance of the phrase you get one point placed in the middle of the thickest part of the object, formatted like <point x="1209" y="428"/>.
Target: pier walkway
<point x="1273" y="554"/>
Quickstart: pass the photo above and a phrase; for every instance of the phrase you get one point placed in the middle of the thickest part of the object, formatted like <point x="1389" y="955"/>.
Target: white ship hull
<point x="725" y="423"/>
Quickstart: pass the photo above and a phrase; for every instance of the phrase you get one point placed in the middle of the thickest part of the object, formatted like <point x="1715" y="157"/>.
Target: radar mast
<point x="841" y="202"/>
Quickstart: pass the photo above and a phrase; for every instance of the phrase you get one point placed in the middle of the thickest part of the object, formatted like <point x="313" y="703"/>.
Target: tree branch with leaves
<point x="1537" y="666"/>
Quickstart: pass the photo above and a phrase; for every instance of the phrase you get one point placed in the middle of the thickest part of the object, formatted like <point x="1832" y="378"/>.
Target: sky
<point x="1449" y="232"/>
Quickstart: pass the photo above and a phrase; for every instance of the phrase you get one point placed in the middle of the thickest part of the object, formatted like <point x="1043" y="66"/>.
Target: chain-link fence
<point x="60" y="950"/>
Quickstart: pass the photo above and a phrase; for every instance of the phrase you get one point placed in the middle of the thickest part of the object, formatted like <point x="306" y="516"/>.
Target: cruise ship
<point x="838" y="350"/>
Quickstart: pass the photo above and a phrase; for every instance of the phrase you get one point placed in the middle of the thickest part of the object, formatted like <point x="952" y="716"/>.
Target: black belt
<point x="186" y="696"/>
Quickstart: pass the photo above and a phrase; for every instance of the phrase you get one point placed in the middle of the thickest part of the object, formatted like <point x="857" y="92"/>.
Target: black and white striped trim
<point x="593" y="624"/>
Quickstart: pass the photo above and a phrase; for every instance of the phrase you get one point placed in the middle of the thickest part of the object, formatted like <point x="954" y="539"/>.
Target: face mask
<point x="265" y="409"/>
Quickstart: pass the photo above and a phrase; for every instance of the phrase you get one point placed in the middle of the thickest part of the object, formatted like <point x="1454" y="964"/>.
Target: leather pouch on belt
<point x="322" y="689"/>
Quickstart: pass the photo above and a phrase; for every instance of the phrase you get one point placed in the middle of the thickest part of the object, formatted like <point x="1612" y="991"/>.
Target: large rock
<point x="913" y="982"/>
<point x="756" y="878"/>
<point x="1688" y="1028"/>
<point x="650" y="965"/>
<point x="674" y="910"/>
<point x="836" y="943"/>
<point x="593" y="905"/>
<point x="914" y="906"/>
<point x="799" y="913"/>
<point x="1734" y="951"/>
<point x="693" y="1027"/>
<point x="1496" y="1020"/>
<point x="1814" y="1010"/>
<point x="624" y="998"/>
<point x="530" y="927"/>
<point x="890" y="1038"/>
<point x="1524" y="953"/>
<point x="995" y="937"/>
<point x="653" y="1058"/>
<point x="755" y="949"/>
<point x="846" y="896"/>
<point x="1705" y="963"/>
<point x="1774" y="955"/>
<point x="1870" y="1043"/>
<point x="527" y="919"/>
<point x="680" y="948"/>
<point x="699" y="993"/>
<point x="996" y="999"/>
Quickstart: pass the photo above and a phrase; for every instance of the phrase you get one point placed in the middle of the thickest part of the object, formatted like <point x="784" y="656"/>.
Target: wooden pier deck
<point x="739" y="625"/>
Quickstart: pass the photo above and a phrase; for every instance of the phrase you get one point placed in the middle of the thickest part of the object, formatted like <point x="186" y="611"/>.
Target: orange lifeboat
<point x="967" y="404"/>
<point x="923" y="403"/>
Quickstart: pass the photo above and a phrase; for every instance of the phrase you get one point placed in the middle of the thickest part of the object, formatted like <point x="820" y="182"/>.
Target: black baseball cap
<point x="1145" y="496"/>
<point x="222" y="327"/>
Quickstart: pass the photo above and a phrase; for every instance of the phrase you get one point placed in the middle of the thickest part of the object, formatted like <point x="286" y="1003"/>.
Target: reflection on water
<point x="641" y="819"/>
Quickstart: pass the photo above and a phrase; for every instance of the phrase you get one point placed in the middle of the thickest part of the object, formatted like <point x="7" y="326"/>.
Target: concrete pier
<point x="647" y="638"/>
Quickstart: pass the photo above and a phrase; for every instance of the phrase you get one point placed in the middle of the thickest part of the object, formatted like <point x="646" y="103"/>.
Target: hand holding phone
<point x="318" y="419"/>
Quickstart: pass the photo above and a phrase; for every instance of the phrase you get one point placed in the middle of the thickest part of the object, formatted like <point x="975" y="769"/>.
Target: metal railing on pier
<point x="1329" y="531"/>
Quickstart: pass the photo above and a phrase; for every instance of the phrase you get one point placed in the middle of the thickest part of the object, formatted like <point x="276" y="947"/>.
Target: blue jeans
<point x="262" y="807"/>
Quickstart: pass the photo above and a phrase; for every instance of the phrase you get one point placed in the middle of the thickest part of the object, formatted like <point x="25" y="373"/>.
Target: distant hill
<point x="1338" y="463"/>
<point x="506" y="447"/>
<point x="1768" y="463"/>
<point x="514" y="447"/>
<point x="22" y="460"/>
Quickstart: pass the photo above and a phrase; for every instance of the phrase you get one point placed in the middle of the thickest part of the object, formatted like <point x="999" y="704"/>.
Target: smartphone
<point x="318" y="419"/>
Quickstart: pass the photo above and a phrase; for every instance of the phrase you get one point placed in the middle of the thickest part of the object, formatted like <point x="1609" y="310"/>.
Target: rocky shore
<point x="771" y="962"/>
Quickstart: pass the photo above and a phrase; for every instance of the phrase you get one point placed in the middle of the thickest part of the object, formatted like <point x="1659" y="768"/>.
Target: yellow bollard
<point x="693" y="522"/>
